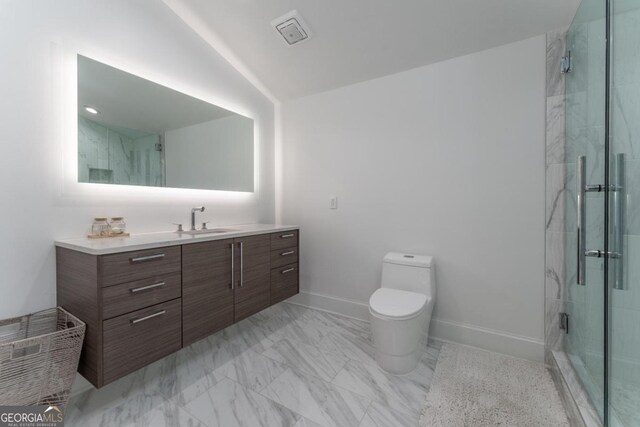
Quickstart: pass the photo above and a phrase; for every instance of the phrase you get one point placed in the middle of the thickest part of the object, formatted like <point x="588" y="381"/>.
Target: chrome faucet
<point x="193" y="216"/>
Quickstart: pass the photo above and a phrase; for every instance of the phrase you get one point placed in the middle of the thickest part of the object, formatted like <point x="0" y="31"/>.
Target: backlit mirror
<point x="132" y="131"/>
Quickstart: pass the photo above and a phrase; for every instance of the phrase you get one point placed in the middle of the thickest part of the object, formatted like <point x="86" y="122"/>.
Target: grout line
<point x="330" y="384"/>
<point x="276" y="402"/>
<point x="249" y="391"/>
<point x="366" y="411"/>
<point x="296" y="369"/>
<point x="174" y="399"/>
<point x="327" y="311"/>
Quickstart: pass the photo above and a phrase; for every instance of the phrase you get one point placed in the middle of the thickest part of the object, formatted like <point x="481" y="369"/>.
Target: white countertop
<point x="165" y="238"/>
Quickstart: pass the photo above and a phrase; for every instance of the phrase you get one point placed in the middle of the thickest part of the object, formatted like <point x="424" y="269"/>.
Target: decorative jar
<point x="117" y="224"/>
<point x="100" y="227"/>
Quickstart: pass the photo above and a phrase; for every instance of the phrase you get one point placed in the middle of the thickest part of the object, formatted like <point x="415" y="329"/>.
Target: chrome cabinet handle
<point x="581" y="232"/>
<point x="233" y="279"/>
<point x="286" y="236"/>
<point x="288" y="270"/>
<point x="241" y="264"/>
<point x="146" y="258"/>
<point x="144" y="288"/>
<point x="287" y="253"/>
<point x="151" y="316"/>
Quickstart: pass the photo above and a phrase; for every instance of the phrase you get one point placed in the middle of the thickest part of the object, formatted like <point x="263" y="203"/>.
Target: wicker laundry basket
<point x="39" y="355"/>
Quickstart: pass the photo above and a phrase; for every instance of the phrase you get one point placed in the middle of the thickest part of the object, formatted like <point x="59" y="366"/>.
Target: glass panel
<point x="585" y="136"/>
<point x="624" y="229"/>
<point x="110" y="155"/>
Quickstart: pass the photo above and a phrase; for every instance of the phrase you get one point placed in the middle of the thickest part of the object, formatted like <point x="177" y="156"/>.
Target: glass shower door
<point x="624" y="209"/>
<point x="602" y="206"/>
<point x="584" y="201"/>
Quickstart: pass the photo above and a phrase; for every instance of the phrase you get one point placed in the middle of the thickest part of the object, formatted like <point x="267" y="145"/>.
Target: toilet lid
<point x="397" y="303"/>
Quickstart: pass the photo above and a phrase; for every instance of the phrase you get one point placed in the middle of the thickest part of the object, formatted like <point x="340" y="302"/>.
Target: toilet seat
<point x="397" y="304"/>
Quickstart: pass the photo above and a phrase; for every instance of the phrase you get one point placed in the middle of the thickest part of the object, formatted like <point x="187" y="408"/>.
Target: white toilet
<point x="400" y="310"/>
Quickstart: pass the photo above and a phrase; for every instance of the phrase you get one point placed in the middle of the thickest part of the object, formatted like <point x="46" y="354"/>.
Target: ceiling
<point x="357" y="40"/>
<point x="135" y="106"/>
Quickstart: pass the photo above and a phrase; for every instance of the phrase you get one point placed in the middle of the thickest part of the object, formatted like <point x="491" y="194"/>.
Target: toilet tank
<point x="408" y="272"/>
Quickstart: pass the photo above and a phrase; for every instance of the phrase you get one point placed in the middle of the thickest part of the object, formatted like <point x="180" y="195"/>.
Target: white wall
<point x="36" y="206"/>
<point x="216" y="154"/>
<point x="445" y="160"/>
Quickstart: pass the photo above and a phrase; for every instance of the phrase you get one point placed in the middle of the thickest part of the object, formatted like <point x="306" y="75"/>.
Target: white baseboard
<point x="346" y="307"/>
<point x="444" y="330"/>
<point x="488" y="339"/>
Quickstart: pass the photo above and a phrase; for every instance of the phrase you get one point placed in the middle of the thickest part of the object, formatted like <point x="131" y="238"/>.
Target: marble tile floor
<point x="285" y="366"/>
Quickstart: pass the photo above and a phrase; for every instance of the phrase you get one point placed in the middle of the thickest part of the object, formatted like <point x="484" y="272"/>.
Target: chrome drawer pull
<point x="144" y="288"/>
<point x="151" y="316"/>
<point x="233" y="255"/>
<point x="285" y="236"/>
<point x="146" y="258"/>
<point x="241" y="264"/>
<point x="288" y="270"/>
<point x="287" y="253"/>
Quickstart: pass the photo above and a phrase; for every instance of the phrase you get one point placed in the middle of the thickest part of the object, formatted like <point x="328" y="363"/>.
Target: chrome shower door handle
<point x="619" y="211"/>
<point x="581" y="229"/>
<point x="615" y="250"/>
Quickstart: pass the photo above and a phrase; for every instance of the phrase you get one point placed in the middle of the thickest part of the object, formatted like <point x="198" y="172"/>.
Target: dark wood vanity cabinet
<point x="214" y="298"/>
<point x="207" y="294"/>
<point x="131" y="303"/>
<point x="140" y="306"/>
<point x="285" y="274"/>
<point x="252" y="275"/>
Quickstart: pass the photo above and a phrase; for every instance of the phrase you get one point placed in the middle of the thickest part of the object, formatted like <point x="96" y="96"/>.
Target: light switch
<point x="333" y="202"/>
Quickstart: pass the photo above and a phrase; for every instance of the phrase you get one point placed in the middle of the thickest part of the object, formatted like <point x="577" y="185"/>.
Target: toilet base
<point x="398" y="365"/>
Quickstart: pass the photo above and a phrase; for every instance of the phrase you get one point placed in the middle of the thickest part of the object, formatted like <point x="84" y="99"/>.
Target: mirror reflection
<point x="132" y="131"/>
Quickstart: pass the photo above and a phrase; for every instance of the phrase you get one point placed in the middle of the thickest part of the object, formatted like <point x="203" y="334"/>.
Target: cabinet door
<point x="252" y="274"/>
<point x="207" y="294"/>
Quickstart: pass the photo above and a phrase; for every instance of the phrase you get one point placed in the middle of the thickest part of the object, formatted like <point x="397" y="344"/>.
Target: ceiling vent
<point x="292" y="28"/>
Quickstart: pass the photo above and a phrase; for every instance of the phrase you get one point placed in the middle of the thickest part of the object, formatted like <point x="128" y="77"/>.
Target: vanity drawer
<point x="282" y="257"/>
<point x="284" y="282"/>
<point x="127" y="297"/>
<point x="134" y="340"/>
<point x="284" y="239"/>
<point x="130" y="266"/>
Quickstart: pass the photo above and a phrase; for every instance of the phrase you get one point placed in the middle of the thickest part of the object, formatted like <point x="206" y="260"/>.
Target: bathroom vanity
<point x="146" y="296"/>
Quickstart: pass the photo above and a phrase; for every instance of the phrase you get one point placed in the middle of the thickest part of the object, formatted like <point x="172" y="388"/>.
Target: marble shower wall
<point x="557" y="177"/>
<point x="560" y="266"/>
<point x="575" y="126"/>
<point x="108" y="156"/>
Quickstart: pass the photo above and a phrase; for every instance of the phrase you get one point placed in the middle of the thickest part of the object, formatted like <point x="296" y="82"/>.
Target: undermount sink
<point x="206" y="231"/>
